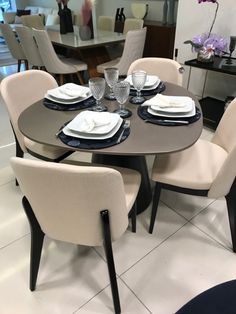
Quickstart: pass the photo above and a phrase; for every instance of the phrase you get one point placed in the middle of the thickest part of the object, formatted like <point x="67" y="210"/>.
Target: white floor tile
<point x="132" y="247"/>
<point x="102" y="303"/>
<point x="214" y="221"/>
<point x="186" y="264"/>
<point x="69" y="276"/>
<point x="186" y="205"/>
<point x="6" y="153"/>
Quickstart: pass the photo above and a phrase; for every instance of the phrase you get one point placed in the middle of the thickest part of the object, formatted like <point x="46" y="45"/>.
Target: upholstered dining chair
<point x="106" y="23"/>
<point x="33" y="21"/>
<point x="133" y="50"/>
<point x="93" y="212"/>
<point x="19" y="91"/>
<point x="27" y="41"/>
<point x="167" y="70"/>
<point x="204" y="169"/>
<point x="53" y="63"/>
<point x="13" y="45"/>
<point x="132" y="24"/>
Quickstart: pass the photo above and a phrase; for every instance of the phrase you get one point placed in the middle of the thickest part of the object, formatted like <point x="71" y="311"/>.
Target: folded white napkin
<point x="69" y="91"/>
<point x="162" y="101"/>
<point x="90" y="122"/>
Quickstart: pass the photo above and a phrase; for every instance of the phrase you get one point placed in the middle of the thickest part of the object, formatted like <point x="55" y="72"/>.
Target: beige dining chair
<point x="106" y="23"/>
<point x="132" y="24"/>
<point x="93" y="212"/>
<point x="19" y="91"/>
<point x="33" y="21"/>
<point x="167" y="70"/>
<point x="133" y="50"/>
<point x="27" y="41"/>
<point x="14" y="45"/>
<point x="53" y="63"/>
<point x="204" y="169"/>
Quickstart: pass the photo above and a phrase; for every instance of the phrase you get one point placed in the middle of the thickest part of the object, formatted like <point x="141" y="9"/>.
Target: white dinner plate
<point x="149" y="88"/>
<point x="172" y="114"/>
<point x="69" y="91"/>
<point x="69" y="132"/>
<point x="96" y="123"/>
<point x="68" y="102"/>
<point x="150" y="81"/>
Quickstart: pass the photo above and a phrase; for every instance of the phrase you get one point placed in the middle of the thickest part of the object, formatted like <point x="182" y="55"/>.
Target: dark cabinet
<point x="159" y="40"/>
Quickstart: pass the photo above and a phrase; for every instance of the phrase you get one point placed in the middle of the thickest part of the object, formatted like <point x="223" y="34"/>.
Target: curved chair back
<point x="20" y="90"/>
<point x="33" y="21"/>
<point x="132" y="24"/>
<point x="225" y="137"/>
<point x="106" y="23"/>
<point x="12" y="43"/>
<point x="67" y="199"/>
<point x="29" y="46"/>
<point x="166" y="69"/>
<point x="133" y="49"/>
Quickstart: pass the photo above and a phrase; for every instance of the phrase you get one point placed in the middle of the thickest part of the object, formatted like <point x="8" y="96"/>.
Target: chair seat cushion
<point x="79" y="65"/>
<point x="44" y="150"/>
<point x="193" y="168"/>
<point x="109" y="64"/>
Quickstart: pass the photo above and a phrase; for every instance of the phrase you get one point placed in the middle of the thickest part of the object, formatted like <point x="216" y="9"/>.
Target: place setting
<point x="169" y="110"/>
<point x="69" y="97"/>
<point x="143" y="84"/>
<point x="94" y="130"/>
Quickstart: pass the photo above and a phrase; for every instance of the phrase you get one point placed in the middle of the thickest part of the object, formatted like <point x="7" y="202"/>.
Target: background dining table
<point x="40" y="124"/>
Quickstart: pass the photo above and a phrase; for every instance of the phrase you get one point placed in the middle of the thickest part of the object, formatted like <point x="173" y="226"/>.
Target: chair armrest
<point x="9" y="17"/>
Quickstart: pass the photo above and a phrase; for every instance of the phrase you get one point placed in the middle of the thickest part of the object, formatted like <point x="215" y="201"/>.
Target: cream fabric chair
<point x="106" y="23"/>
<point x="27" y="41"/>
<point x="93" y="212"/>
<point x="19" y="91"/>
<point x="13" y="45"/>
<point x="133" y="50"/>
<point x="206" y="169"/>
<point x="33" y="21"/>
<point x="132" y="24"/>
<point x="167" y="70"/>
<point x="52" y="62"/>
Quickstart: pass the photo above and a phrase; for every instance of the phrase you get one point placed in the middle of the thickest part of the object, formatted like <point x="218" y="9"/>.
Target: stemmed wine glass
<point x="138" y="79"/>
<point x="111" y="76"/>
<point x="121" y="91"/>
<point x="97" y="87"/>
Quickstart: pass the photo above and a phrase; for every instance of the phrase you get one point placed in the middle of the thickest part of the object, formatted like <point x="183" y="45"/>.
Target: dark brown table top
<point x="40" y="124"/>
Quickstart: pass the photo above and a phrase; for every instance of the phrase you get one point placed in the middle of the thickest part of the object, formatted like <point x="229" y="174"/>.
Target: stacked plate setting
<point x="93" y="125"/>
<point x="68" y="94"/>
<point x="152" y="82"/>
<point x="171" y="106"/>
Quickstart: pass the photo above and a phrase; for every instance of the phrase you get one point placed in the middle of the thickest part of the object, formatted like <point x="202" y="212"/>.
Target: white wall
<point x="193" y="19"/>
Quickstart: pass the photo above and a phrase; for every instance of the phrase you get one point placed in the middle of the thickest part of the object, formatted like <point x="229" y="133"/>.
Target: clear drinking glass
<point x="138" y="79"/>
<point x="111" y="76"/>
<point x="97" y="87"/>
<point x="121" y="91"/>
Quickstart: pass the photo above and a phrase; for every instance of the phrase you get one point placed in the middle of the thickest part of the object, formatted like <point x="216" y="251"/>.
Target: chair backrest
<point x="12" y="42"/>
<point x="33" y="21"/>
<point x="50" y="59"/>
<point x="133" y="49"/>
<point x="21" y="90"/>
<point x="106" y="23"/>
<point x="167" y="70"/>
<point x="29" y="46"/>
<point x="225" y="137"/>
<point x="67" y="199"/>
<point x="132" y="24"/>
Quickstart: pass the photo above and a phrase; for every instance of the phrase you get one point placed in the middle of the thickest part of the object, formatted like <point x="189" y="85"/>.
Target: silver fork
<point x="125" y="126"/>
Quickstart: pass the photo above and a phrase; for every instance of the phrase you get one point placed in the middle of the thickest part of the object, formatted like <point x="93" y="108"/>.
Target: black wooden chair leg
<point x="156" y="197"/>
<point x="133" y="216"/>
<point x="110" y="260"/>
<point x="37" y="237"/>
<point x="231" y="206"/>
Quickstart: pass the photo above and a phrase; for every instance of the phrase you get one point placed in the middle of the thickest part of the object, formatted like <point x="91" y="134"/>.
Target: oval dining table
<point x="41" y="124"/>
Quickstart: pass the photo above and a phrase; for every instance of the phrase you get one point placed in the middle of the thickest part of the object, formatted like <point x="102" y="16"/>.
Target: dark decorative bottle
<point x="61" y="14"/>
<point x="68" y="19"/>
<point x="117" y="14"/>
<point x="121" y="15"/>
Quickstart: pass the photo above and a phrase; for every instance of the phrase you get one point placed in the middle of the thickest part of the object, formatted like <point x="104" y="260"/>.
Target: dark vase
<point x="68" y="19"/>
<point x="90" y="25"/>
<point x="61" y="14"/>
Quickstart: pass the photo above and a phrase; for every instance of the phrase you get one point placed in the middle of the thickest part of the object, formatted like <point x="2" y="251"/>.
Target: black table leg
<point x="133" y="162"/>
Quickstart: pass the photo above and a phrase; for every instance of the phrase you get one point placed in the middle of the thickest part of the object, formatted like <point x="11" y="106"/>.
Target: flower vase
<point x="85" y="32"/>
<point x="205" y="55"/>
